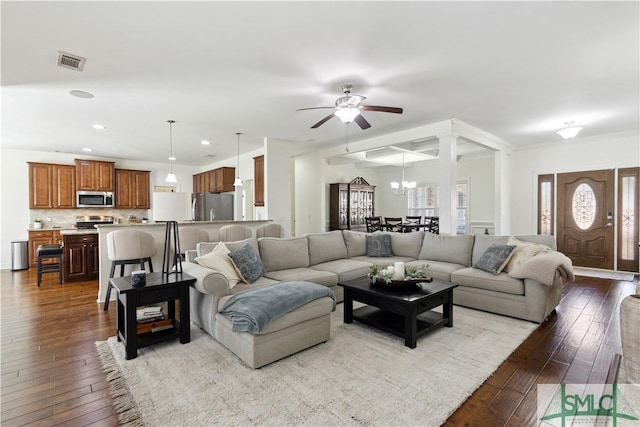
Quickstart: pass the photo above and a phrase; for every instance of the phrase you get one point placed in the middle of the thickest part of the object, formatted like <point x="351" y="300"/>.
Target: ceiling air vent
<point x="73" y="62"/>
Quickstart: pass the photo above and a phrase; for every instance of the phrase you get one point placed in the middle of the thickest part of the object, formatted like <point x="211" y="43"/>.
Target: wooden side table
<point x="159" y="288"/>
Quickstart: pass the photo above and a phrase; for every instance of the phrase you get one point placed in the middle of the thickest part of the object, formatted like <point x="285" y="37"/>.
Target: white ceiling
<point x="518" y="70"/>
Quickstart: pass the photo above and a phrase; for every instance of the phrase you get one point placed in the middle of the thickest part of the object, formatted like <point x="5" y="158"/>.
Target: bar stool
<point x="125" y="247"/>
<point x="49" y="252"/>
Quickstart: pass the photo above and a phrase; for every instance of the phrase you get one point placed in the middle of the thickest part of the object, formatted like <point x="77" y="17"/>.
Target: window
<point x="424" y="200"/>
<point x="545" y="204"/>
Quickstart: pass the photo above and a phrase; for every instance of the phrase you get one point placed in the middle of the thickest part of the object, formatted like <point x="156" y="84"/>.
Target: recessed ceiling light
<point x="81" y="94"/>
<point x="99" y="126"/>
<point x="173" y="159"/>
<point x="88" y="150"/>
<point x="205" y="142"/>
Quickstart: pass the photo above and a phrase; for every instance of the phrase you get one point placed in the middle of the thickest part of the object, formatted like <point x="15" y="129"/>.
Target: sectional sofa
<point x="330" y="257"/>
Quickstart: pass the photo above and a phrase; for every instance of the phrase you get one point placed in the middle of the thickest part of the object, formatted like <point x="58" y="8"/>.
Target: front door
<point x="586" y="217"/>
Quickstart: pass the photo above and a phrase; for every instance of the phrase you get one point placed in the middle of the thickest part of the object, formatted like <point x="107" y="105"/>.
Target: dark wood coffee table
<point x="159" y="288"/>
<point x="405" y="312"/>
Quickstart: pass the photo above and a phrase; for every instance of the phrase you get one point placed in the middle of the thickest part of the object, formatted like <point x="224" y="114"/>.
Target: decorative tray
<point x="401" y="283"/>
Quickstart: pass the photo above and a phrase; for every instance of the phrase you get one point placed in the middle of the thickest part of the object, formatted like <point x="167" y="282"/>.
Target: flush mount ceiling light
<point x="81" y="94"/>
<point x="205" y="143"/>
<point x="87" y="150"/>
<point x="569" y="131"/>
<point x="238" y="181"/>
<point x="99" y="126"/>
<point x="171" y="177"/>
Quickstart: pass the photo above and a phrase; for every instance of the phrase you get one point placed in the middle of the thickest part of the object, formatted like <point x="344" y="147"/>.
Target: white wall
<point x="580" y="154"/>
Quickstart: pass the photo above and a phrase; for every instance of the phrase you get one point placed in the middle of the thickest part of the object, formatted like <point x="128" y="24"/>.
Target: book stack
<point x="152" y="318"/>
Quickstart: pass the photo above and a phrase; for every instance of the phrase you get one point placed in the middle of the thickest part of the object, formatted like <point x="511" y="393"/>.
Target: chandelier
<point x="402" y="187"/>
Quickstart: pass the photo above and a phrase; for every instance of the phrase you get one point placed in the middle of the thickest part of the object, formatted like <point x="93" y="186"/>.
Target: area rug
<point x="361" y="376"/>
<point x="605" y="274"/>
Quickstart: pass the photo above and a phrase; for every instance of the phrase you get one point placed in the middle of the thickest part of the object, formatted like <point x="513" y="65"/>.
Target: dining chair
<point x="432" y="224"/>
<point x="393" y="223"/>
<point x="374" y="223"/>
<point x="413" y="222"/>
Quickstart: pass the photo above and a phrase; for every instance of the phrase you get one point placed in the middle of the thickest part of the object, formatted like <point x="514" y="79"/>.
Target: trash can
<point x="19" y="255"/>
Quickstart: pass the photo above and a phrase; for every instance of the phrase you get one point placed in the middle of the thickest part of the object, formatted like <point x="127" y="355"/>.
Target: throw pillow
<point x="495" y="258"/>
<point x="247" y="263"/>
<point x="523" y="252"/>
<point x="219" y="260"/>
<point x="379" y="245"/>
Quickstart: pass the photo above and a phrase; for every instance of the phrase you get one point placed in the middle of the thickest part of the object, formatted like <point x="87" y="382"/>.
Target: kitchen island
<point x="157" y="229"/>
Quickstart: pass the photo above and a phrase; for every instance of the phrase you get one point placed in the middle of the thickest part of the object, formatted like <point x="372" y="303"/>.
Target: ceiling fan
<point x="349" y="107"/>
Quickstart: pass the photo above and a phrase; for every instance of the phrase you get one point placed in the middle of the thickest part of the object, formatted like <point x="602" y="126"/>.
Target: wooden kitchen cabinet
<point x="258" y="180"/>
<point x="41" y="237"/>
<point x="95" y="175"/>
<point x="214" y="181"/>
<point x="80" y="259"/>
<point x="225" y="177"/>
<point x="51" y="186"/>
<point x="132" y="189"/>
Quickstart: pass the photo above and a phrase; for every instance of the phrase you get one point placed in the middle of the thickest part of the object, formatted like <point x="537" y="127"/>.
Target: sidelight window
<point x="545" y="204"/>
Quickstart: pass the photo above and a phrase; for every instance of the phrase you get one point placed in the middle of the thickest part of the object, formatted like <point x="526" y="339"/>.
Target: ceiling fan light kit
<point x="348" y="109"/>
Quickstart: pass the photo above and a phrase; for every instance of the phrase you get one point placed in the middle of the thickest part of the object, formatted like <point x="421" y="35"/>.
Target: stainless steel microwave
<point x="94" y="199"/>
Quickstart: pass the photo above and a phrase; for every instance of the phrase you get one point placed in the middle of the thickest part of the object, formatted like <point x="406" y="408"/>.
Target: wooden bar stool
<point x="126" y="247"/>
<point x="46" y="252"/>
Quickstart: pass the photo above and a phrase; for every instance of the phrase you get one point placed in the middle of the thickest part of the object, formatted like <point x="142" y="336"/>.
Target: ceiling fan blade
<point x="313" y="108"/>
<point x="396" y="110"/>
<point x="362" y="122"/>
<point x="321" y="122"/>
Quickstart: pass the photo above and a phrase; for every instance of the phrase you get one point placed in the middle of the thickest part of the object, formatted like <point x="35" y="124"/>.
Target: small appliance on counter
<point x="88" y="222"/>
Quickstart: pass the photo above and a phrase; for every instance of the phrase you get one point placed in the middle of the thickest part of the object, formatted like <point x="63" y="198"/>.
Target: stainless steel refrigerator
<point x="209" y="206"/>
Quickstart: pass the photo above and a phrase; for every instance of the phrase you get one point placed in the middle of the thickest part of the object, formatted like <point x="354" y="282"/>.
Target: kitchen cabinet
<point x="41" y="237"/>
<point x="350" y="203"/>
<point x="81" y="259"/>
<point x="214" y="181"/>
<point x="51" y="186"/>
<point x="258" y="180"/>
<point x="132" y="189"/>
<point x="95" y="175"/>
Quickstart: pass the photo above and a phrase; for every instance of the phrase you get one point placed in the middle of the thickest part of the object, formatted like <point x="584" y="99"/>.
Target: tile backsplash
<point x="66" y="218"/>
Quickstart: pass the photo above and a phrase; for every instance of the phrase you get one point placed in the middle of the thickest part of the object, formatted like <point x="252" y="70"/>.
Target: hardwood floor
<point x="51" y="373"/>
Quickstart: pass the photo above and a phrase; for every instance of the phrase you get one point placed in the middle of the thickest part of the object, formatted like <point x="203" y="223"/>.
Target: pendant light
<point x="238" y="181"/>
<point x="171" y="177"/>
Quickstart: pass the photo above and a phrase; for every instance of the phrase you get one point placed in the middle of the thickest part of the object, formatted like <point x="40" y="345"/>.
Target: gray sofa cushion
<point x="282" y="254"/>
<point x="454" y="249"/>
<point x="482" y="243"/>
<point x="379" y="245"/>
<point x="474" y="278"/>
<point x="356" y="243"/>
<point x="346" y="269"/>
<point x="438" y="270"/>
<point x="383" y="261"/>
<point x="203" y="248"/>
<point x="295" y="274"/>
<point x="325" y="247"/>
<point x="247" y="263"/>
<point x="495" y="258"/>
<point x="407" y="244"/>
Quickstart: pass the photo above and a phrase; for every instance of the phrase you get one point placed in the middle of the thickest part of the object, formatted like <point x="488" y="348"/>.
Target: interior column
<point x="448" y="160"/>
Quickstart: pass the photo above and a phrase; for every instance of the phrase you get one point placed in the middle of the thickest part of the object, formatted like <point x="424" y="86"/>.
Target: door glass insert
<point x="627" y="244"/>
<point x="584" y="206"/>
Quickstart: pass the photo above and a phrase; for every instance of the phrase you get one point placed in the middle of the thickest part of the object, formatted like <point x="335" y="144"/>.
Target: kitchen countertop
<point x="66" y="231"/>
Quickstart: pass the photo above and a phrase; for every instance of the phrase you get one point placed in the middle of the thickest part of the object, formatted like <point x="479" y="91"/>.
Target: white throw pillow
<point x="523" y="252"/>
<point x="218" y="259"/>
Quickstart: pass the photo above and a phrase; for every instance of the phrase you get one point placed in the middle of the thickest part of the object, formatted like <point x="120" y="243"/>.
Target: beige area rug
<point x="361" y="376"/>
<point x="605" y="274"/>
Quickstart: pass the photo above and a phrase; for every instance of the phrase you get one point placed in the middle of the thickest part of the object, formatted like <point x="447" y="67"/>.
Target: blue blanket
<point x="251" y="311"/>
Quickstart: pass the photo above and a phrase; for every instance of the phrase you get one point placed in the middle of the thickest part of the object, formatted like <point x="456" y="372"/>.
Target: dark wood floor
<point x="51" y="374"/>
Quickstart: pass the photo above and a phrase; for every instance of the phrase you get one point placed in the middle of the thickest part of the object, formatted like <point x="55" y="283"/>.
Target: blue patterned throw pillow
<point x="247" y="263"/>
<point x="379" y="245"/>
<point x="495" y="258"/>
